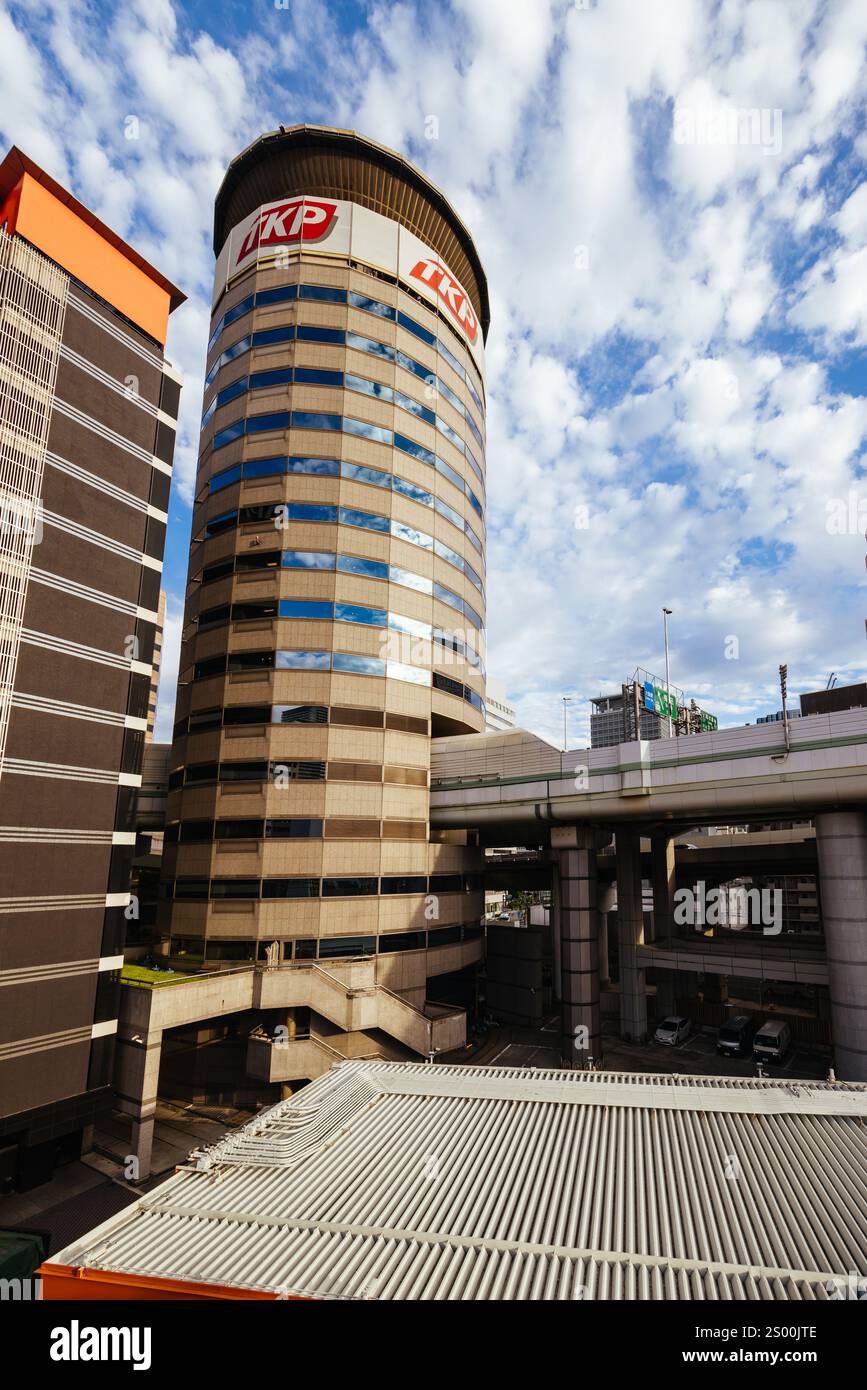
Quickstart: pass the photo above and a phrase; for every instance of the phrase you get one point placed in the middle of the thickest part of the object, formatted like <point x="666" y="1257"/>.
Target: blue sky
<point x="676" y="363"/>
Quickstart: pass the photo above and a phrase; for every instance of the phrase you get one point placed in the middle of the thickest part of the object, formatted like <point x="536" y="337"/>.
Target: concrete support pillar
<point x="630" y="922"/>
<point x="841" y="844"/>
<point x="578" y="930"/>
<point x="137" y="1074"/>
<point x="606" y="902"/>
<point x="666" y="993"/>
<point x="664" y="883"/>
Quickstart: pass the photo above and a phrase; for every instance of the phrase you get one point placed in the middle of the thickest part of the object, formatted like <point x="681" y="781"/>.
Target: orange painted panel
<point x="57" y="231"/>
<point x="60" y="1282"/>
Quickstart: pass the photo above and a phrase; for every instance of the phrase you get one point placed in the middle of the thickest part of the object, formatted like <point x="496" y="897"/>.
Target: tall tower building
<point x="88" y="408"/>
<point x="336" y="599"/>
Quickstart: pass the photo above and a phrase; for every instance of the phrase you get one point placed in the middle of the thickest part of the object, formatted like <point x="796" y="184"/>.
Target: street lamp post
<point x="567" y="700"/>
<point x="666" y="614"/>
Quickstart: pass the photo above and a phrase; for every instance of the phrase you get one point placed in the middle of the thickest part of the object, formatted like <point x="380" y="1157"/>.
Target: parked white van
<point x="772" y="1041"/>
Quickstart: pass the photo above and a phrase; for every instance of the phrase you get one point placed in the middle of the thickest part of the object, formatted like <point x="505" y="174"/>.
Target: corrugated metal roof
<point x="408" y="1181"/>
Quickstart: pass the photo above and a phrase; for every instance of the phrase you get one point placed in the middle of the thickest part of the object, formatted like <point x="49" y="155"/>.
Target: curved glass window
<point x="359" y="473"/>
<point x="411" y="535"/>
<point x="305" y="608"/>
<point x="365" y="430"/>
<point x="367" y="387"/>
<point x="410" y="580"/>
<point x="309" y="333"/>
<point x="303" y="661"/>
<point x="414" y="407"/>
<point x="368" y="521"/>
<point x="324" y="468"/>
<point x="308" y="560"/>
<point x="295" y="828"/>
<point x="370" y="345"/>
<point x="371" y="306"/>
<point x="413" y="491"/>
<point x="446" y="596"/>
<point x="416" y="675"/>
<point x="416" y="451"/>
<point x="449" y="513"/>
<point x="277" y="376"/>
<point x="330" y="293"/>
<point x="416" y="328"/>
<point x="314" y="420"/>
<point x="371" y="569"/>
<point x="360" y="665"/>
<point x="355" y="613"/>
<point x="311" y="511"/>
<point x="256" y="423"/>
<point x="290" y="888"/>
<point x="398" y="622"/>
<point x="264" y="337"/>
<point x="299" y="714"/>
<point x="280" y="294"/>
<point x="316" y="376"/>
<point x="225" y="479"/>
<point x="257" y="468"/>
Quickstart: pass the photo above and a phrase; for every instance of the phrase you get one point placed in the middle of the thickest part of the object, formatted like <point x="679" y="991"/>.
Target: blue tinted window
<point x="307" y="333"/>
<point x="354" y="613"/>
<point x="474" y="502"/>
<point x="414" y="407"/>
<point x="326" y="292"/>
<point x="366" y="431"/>
<point x="305" y="608"/>
<point x="232" y="432"/>
<point x="314" y="376"/>
<point x="232" y="391"/>
<point x="371" y="306"/>
<point x="472" y="615"/>
<point x="278" y="421"/>
<point x="410" y="580"/>
<point x="408" y="446"/>
<point x="449" y="513"/>
<point x="399" y="671"/>
<point x="367" y="387"/>
<point x="221" y="523"/>
<point x="308" y="560"/>
<point x="398" y="622"/>
<point x="450" y="434"/>
<point x="472" y="576"/>
<point x="225" y="479"/>
<point x="361" y="665"/>
<point x="368" y="520"/>
<point x="264" y="468"/>
<point x="451" y="397"/>
<point x="412" y="490"/>
<point x="311" y="511"/>
<point x="446" y="596"/>
<point x="357" y="340"/>
<point x="411" y="535"/>
<point x="410" y="324"/>
<point x="450" y="555"/>
<point x="473" y="426"/>
<point x="281" y="294"/>
<point x="361" y="474"/>
<point x="474" y="393"/>
<point x="409" y="364"/>
<point x="280" y="376"/>
<point x="303" y="661"/>
<point x="451" y="359"/>
<point x="313" y="420"/>
<point x="264" y="336"/>
<point x="324" y="468"/>
<point x="371" y="569"/>
<point x="472" y="462"/>
<point x="450" y="473"/>
<point x="242" y="307"/>
<point x="472" y="537"/>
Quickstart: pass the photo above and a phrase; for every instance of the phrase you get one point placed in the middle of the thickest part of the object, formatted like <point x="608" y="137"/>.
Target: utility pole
<point x="666" y="614"/>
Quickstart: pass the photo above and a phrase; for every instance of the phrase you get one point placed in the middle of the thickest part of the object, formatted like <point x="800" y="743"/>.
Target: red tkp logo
<point x="300" y="219"/>
<point x="456" y="300"/>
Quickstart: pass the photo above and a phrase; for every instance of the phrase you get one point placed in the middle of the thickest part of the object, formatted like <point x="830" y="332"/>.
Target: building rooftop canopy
<point x="337" y="163"/>
<point x="410" y="1181"/>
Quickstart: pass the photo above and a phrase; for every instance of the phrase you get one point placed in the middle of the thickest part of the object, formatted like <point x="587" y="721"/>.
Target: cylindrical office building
<point x="335" y="608"/>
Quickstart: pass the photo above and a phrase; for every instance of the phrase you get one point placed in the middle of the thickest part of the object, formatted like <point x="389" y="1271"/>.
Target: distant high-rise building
<point x="499" y="714"/>
<point x="88" y="410"/>
<point x="153" y="693"/>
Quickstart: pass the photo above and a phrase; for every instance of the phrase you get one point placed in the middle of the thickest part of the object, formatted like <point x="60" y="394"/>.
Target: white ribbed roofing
<point x="407" y="1181"/>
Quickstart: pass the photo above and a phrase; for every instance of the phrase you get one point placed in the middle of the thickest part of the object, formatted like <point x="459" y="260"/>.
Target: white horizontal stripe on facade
<point x="117" y="899"/>
<point x="84" y="533"/>
<point x="114" y="330"/>
<point x="118" y="387"/>
<point x="111" y="962"/>
<point x="123" y="837"/>
<point x="83" y="591"/>
<point x="69" y="902"/>
<point x="45" y="1042"/>
<point x="59" y="970"/>
<point x="65" y="709"/>
<point x="48" y="835"/>
<point x="93" y="480"/>
<point x="66" y="772"/>
<point x="70" y="648"/>
<point x="104" y="1030"/>
<point x="97" y="427"/>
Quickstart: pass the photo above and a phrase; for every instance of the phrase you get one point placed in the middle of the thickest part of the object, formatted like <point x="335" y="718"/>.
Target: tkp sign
<point x="456" y="300"/>
<point x="286" y="224"/>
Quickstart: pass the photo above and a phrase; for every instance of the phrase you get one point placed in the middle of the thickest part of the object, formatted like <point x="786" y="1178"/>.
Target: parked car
<point x="672" y="1031"/>
<point x="772" y="1041"/>
<point x="735" y="1036"/>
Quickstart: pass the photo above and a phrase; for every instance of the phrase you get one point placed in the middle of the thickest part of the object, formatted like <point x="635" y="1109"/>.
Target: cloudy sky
<point x="669" y="200"/>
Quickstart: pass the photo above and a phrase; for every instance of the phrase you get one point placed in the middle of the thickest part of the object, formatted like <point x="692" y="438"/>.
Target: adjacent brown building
<point x="88" y="409"/>
<point x="335" y="608"/>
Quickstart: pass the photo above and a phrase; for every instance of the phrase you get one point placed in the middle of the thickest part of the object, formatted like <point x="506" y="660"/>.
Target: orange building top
<point x="44" y="213"/>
